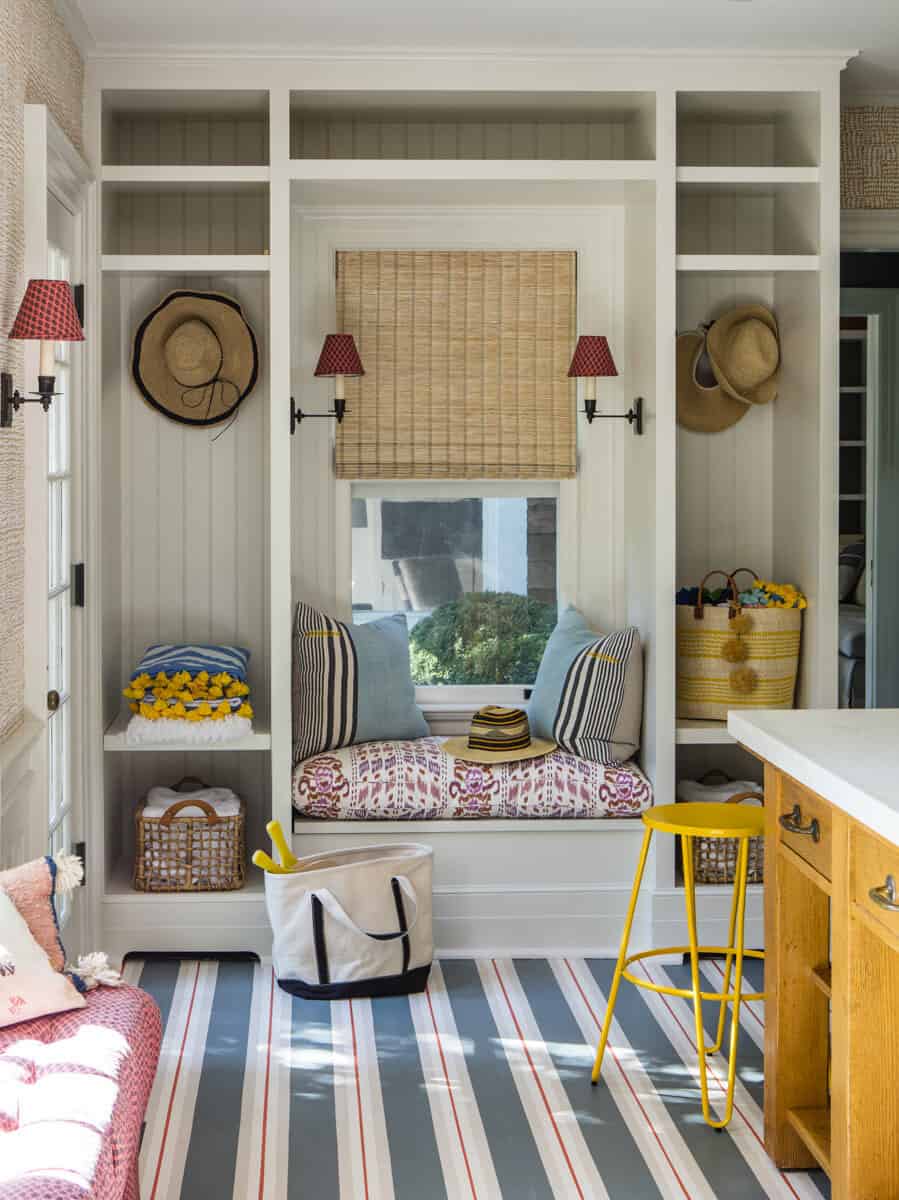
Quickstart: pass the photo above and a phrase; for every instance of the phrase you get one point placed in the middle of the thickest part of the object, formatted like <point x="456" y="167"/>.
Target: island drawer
<point x="805" y="824"/>
<point x="874" y="877"/>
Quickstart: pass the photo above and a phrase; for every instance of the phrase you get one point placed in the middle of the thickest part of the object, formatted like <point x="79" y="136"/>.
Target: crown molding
<point x="79" y="31"/>
<point x="349" y="54"/>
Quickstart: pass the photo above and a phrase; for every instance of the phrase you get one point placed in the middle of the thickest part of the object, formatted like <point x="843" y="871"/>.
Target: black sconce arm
<point x="297" y="414"/>
<point x="11" y="399"/>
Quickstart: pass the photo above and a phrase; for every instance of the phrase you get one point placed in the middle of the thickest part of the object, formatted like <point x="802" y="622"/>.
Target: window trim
<point x="458" y="699"/>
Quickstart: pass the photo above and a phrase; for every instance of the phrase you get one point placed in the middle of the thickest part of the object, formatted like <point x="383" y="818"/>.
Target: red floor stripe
<point x="268" y="1071"/>
<point x="359" y="1099"/>
<point x="168" y="1114"/>
<point x="610" y="1049"/>
<point x="711" y="1071"/>
<point x="527" y="1053"/>
<point x="747" y="1004"/>
<point x="449" y="1088"/>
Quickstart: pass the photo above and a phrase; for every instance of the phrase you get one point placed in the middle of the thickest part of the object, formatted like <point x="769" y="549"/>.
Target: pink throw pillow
<point x="31" y="888"/>
<point x="29" y="986"/>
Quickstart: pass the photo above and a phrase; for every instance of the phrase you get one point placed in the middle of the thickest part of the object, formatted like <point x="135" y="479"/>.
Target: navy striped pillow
<point x="588" y="695"/>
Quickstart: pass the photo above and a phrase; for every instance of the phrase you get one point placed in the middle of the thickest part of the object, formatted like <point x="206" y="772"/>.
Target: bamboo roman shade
<point x="466" y="356"/>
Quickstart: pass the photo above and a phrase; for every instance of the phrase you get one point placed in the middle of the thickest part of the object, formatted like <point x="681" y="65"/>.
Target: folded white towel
<point x="142" y="732"/>
<point x="160" y="799"/>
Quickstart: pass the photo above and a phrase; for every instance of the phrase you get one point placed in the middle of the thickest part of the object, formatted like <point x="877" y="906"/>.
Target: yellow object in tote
<point x="288" y="859"/>
<point x="733" y="657"/>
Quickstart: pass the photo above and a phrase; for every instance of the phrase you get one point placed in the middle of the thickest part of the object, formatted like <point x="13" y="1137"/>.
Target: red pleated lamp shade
<point x="339" y="356"/>
<point x="47" y="313"/>
<point x="592" y="356"/>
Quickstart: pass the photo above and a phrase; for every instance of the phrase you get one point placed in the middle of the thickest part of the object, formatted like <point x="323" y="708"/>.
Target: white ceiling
<point x="506" y="25"/>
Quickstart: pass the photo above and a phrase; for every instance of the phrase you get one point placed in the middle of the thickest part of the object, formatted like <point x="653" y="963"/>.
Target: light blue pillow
<point x="588" y="696"/>
<point x="351" y="683"/>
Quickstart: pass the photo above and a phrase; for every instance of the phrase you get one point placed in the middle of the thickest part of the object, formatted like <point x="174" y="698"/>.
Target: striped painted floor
<point x="477" y="1089"/>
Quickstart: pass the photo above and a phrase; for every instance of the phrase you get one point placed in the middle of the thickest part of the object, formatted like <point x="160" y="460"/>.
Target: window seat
<point x="416" y="781"/>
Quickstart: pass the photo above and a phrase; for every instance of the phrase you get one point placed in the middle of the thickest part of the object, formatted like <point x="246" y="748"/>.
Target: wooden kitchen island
<point x="832" y="942"/>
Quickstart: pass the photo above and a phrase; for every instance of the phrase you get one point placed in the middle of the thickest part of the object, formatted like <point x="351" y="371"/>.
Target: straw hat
<point x="702" y="405"/>
<point x="744" y="352"/>
<point x="195" y="357"/>
<point x="498" y="735"/>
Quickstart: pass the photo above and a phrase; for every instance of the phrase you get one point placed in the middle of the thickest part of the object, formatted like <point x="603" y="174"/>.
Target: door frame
<point x="54" y="166"/>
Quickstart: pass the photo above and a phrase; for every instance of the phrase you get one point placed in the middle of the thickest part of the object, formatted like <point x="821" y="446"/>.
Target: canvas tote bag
<point x="353" y="922"/>
<point x="734" y="657"/>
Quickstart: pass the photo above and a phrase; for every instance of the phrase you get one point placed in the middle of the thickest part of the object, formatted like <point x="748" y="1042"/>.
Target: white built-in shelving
<point x="115" y="739"/>
<point x="703" y="198"/>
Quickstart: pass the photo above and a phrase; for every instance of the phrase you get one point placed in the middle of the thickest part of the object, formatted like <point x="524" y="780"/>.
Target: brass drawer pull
<point x="886" y="896"/>
<point x="792" y="822"/>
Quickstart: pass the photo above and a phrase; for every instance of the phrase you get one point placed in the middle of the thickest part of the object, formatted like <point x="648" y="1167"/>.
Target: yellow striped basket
<point x="706" y="684"/>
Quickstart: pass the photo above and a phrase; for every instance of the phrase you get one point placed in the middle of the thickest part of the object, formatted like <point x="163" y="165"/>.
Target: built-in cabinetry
<point x="682" y="200"/>
<point x="831" y="978"/>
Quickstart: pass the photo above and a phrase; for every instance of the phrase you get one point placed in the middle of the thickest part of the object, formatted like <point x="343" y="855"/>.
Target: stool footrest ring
<point x="687" y="993"/>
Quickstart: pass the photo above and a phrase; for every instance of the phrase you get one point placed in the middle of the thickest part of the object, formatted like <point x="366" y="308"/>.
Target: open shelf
<point x="184" y="176"/>
<point x="186" y="264"/>
<point x="198" y="217"/>
<point x="757" y="217"/>
<point x="120" y="887"/>
<point x="196" y="127"/>
<point x="813" y="1126"/>
<point x="472" y="125"/>
<point x="750" y="129"/>
<point x="703" y="733"/>
<point x="524" y="170"/>
<point x="752" y="176"/>
<point x="748" y="264"/>
<point x="115" y="739"/>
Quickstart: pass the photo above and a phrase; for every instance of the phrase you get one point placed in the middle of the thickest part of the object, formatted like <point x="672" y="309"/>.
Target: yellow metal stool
<point x="688" y="821"/>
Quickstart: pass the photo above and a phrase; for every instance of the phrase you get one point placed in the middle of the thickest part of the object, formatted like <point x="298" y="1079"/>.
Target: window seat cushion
<point x="415" y="780"/>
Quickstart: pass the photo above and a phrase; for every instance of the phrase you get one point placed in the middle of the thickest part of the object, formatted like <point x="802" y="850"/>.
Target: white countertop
<point x="848" y="756"/>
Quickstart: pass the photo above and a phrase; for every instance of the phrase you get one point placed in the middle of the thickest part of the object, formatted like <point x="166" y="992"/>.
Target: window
<point x="473" y="567"/>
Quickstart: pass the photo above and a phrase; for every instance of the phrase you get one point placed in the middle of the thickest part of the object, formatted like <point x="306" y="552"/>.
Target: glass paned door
<point x="59" y="572"/>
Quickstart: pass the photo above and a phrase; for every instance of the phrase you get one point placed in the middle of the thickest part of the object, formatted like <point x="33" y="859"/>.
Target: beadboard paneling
<point x="186" y="139"/>
<point x="188" y="524"/>
<point x="197" y="220"/>
<point x="324" y="137"/>
<point x="724" y="480"/>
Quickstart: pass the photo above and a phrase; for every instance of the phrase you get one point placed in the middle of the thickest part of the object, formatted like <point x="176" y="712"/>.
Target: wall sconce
<point x="339" y="358"/>
<point x="47" y="314"/>
<point x="593" y="359"/>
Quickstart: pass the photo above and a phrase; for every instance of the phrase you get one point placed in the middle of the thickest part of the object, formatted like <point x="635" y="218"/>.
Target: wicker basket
<point x="723" y="663"/>
<point x="715" y="859"/>
<point x="189" y="854"/>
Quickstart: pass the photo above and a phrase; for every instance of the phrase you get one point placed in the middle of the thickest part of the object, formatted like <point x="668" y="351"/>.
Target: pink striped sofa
<point x="73" y="1093"/>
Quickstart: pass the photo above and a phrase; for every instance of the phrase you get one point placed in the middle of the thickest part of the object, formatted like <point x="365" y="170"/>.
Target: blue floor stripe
<point x="614" y="1151"/>
<point x="715" y="1153"/>
<point x="159" y="977"/>
<point x="410" y="1131"/>
<point x="515" y="1155"/>
<point x="212" y="1153"/>
<point x="312" y="1148"/>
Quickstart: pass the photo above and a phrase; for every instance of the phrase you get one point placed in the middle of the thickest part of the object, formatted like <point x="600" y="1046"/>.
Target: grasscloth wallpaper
<point x="869" y="174"/>
<point x="39" y="64"/>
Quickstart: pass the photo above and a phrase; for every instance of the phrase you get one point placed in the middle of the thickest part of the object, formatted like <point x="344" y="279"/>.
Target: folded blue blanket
<point x="194" y="659"/>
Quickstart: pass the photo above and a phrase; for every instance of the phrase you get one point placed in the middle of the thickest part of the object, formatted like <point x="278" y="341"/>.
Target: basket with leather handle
<point x="734" y="657"/>
<point x="189" y="853"/>
<point x="715" y="859"/>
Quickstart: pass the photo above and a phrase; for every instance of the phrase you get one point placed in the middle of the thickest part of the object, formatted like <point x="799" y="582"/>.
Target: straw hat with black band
<point x="498" y="735"/>
<point x="195" y="357"/>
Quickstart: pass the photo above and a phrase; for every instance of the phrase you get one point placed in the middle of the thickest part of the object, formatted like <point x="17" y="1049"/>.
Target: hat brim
<point x="240" y="358"/>
<point x="715" y="342"/>
<point x="702" y="409"/>
<point x="457" y="747"/>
